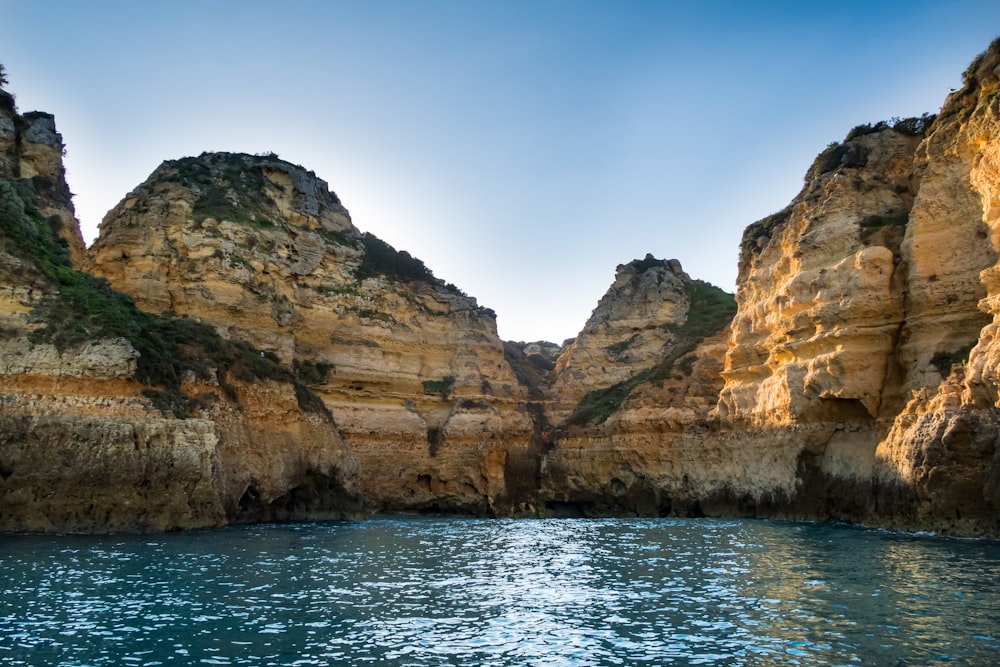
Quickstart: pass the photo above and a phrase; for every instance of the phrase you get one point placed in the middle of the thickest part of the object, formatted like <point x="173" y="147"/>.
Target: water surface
<point x="443" y="591"/>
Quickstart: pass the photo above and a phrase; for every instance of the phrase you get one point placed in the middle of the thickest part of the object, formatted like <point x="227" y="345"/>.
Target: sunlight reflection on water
<point x="432" y="591"/>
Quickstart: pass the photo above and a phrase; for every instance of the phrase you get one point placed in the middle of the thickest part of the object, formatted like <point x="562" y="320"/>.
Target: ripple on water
<point x="423" y="591"/>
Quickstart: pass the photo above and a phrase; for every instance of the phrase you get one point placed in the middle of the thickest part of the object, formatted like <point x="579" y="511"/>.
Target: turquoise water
<point x="439" y="591"/>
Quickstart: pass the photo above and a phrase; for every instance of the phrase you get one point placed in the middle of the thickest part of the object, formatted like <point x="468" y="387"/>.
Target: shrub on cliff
<point x="6" y="99"/>
<point x="381" y="259"/>
<point x="227" y="188"/>
<point x="83" y="308"/>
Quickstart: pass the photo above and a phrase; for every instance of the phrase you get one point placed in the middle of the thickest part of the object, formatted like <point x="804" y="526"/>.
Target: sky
<point x="521" y="149"/>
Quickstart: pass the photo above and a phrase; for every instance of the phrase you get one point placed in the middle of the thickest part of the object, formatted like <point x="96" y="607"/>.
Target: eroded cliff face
<point x="856" y="301"/>
<point x="820" y="290"/>
<point x="411" y="369"/>
<point x="629" y="395"/>
<point x="629" y="330"/>
<point x="111" y="419"/>
<point x="846" y="388"/>
<point x="319" y="372"/>
<point x="940" y="456"/>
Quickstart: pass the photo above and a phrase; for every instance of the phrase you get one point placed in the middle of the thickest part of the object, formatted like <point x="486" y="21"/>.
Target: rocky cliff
<point x="410" y="368"/>
<point x="857" y="380"/>
<point x="864" y="325"/>
<point x="113" y="419"/>
<point x="272" y="361"/>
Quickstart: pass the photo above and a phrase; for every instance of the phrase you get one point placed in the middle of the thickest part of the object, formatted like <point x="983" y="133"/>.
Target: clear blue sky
<point x="521" y="149"/>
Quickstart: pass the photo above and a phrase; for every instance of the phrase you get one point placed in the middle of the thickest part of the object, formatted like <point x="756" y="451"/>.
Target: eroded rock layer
<point x="277" y="363"/>
<point x="111" y="419"/>
<point x="411" y="369"/>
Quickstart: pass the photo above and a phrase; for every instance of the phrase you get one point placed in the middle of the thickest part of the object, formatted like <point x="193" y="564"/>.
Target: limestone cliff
<point x="278" y="363"/>
<point x="112" y="419"/>
<point x="638" y="382"/>
<point x="410" y="367"/>
<point x="940" y="460"/>
<point x="855" y="303"/>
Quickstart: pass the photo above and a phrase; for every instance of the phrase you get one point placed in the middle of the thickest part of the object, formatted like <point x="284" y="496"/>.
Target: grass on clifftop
<point x="227" y="187"/>
<point x="711" y="309"/>
<point x="86" y="308"/>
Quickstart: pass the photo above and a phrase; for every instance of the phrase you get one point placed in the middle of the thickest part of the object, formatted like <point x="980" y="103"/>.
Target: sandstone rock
<point x="260" y="249"/>
<point x="859" y="379"/>
<point x="628" y="331"/>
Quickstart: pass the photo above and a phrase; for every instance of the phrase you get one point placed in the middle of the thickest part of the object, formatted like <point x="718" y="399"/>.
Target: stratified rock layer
<point x="90" y="438"/>
<point x="411" y="369"/>
<point x="321" y="372"/>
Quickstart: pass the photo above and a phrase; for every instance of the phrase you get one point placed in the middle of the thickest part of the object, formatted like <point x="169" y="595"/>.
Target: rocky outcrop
<point x="410" y="368"/>
<point x="631" y="397"/>
<point x="31" y="150"/>
<point x="111" y="419"/>
<point x="629" y="330"/>
<point x="281" y="364"/>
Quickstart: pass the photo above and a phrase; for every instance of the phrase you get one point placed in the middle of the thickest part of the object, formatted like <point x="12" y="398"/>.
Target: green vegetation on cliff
<point x="710" y="311"/>
<point x="381" y="259"/>
<point x="227" y="187"/>
<point x="83" y="308"/>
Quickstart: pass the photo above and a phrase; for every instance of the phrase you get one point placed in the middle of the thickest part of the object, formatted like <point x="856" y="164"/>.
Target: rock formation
<point x="410" y="368"/>
<point x="91" y="389"/>
<point x="859" y="377"/>
<point x="271" y="361"/>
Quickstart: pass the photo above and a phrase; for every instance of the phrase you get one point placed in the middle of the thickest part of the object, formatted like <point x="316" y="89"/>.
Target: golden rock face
<point x="820" y="304"/>
<point x="411" y="369"/>
<point x="88" y="440"/>
<point x="321" y="373"/>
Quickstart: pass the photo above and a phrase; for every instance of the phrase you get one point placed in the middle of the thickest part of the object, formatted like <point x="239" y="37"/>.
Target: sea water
<point x="447" y="591"/>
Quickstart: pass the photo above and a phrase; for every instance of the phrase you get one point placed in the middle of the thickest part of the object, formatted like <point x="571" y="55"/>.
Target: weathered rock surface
<point x="859" y="378"/>
<point x="89" y="434"/>
<point x="940" y="456"/>
<point x="629" y="330"/>
<point x="411" y="369"/>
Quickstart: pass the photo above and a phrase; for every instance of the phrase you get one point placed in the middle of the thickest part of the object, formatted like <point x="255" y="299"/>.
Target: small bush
<point x="914" y="126"/>
<point x="944" y="361"/>
<point x="311" y="372"/>
<point x="381" y="259"/>
<point x="441" y="387"/>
